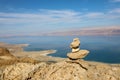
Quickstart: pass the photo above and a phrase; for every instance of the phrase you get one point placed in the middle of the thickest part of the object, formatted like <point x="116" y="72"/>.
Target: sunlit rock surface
<point x="63" y="70"/>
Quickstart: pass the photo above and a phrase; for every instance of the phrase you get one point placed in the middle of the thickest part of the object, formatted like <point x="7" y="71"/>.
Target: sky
<point x="35" y="17"/>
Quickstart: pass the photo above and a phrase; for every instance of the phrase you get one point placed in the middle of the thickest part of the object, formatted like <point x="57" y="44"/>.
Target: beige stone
<point x="78" y="55"/>
<point x="75" y="45"/>
<point x="75" y="50"/>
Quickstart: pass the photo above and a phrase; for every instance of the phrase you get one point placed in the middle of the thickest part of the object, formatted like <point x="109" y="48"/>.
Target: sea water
<point x="102" y="48"/>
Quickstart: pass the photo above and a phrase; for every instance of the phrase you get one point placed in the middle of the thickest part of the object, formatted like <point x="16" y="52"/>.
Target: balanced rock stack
<point x="76" y="52"/>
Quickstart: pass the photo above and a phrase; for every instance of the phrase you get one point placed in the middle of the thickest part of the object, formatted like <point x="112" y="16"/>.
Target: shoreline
<point x="42" y="53"/>
<point x="18" y="51"/>
<point x="38" y="55"/>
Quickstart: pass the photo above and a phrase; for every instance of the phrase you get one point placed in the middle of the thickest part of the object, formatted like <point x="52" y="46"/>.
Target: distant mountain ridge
<point x="89" y="31"/>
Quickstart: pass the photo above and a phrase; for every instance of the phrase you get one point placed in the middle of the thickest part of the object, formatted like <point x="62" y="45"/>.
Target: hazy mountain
<point x="103" y="31"/>
<point x="89" y="31"/>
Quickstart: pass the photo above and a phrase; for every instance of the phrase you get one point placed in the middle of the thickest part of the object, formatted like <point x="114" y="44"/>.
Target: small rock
<point x="75" y="45"/>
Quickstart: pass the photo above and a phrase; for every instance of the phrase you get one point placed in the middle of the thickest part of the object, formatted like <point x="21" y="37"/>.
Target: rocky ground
<point x="64" y="70"/>
<point x="13" y="67"/>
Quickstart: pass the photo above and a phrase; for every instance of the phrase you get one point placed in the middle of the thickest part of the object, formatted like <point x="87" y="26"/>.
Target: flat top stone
<point x="78" y="55"/>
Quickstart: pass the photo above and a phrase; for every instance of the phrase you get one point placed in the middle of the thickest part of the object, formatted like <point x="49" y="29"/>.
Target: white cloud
<point x="44" y="17"/>
<point x="116" y="10"/>
<point x="115" y="0"/>
<point x="47" y="16"/>
<point x="94" y="15"/>
<point x="113" y="13"/>
<point x="54" y="16"/>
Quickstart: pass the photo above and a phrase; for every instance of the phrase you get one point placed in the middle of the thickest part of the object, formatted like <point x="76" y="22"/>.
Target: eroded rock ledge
<point x="61" y="71"/>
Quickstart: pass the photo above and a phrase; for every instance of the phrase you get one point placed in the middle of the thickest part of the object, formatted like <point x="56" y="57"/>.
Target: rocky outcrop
<point x="19" y="71"/>
<point x="5" y="54"/>
<point x="6" y="58"/>
<point x="64" y="70"/>
<point x="76" y="52"/>
<point x="60" y="71"/>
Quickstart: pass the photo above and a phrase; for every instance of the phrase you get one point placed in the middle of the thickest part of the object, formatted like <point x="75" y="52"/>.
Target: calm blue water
<point x="103" y="48"/>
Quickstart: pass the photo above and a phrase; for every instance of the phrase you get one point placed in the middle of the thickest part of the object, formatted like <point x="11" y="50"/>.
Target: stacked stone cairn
<point x="76" y="52"/>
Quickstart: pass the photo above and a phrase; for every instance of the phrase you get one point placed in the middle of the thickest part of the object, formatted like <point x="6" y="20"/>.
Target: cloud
<point x="62" y="15"/>
<point x="94" y="15"/>
<point x="115" y="0"/>
<point x="114" y="13"/>
<point x="60" y="12"/>
<point x="116" y="10"/>
<point x="45" y="16"/>
<point x="53" y="16"/>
